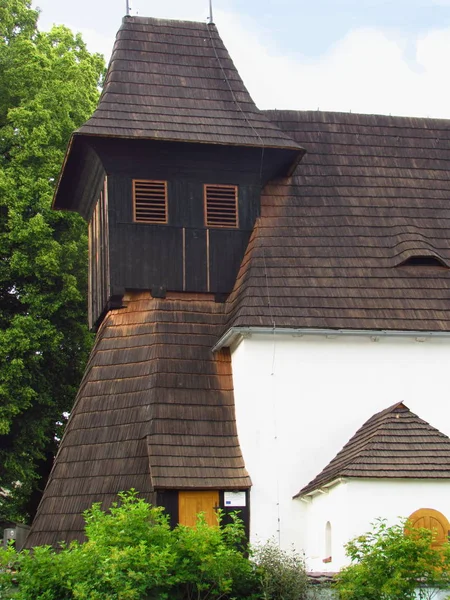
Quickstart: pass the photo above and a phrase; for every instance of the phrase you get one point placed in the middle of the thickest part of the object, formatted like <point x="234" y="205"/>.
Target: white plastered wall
<point x="353" y="505"/>
<point x="299" y="399"/>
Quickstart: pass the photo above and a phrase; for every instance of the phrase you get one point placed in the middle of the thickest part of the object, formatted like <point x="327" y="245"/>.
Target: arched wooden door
<point x="429" y="518"/>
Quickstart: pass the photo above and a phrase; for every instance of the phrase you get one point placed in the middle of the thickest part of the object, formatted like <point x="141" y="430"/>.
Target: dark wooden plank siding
<point x="180" y="255"/>
<point x="79" y="192"/>
<point x="243" y="512"/>
<point x="176" y="160"/>
<point x="249" y="205"/>
<point x="99" y="266"/>
<point x="196" y="267"/>
<point x="185" y="206"/>
<point x="144" y="256"/>
<point x="226" y="249"/>
<point x="168" y="499"/>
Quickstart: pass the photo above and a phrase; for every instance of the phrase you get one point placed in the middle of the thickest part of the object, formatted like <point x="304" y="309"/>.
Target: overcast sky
<point x="371" y="56"/>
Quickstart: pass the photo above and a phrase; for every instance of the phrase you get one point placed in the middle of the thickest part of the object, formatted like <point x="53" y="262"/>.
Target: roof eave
<point x="294" y="147"/>
<point x="234" y="333"/>
<point x="324" y="488"/>
<point x="61" y="173"/>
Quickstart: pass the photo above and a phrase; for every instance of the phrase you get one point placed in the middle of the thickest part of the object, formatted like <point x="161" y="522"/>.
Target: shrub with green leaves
<point x="132" y="554"/>
<point x="281" y="574"/>
<point x="394" y="563"/>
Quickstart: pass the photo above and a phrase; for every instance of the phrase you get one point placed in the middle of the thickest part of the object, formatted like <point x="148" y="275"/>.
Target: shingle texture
<point x="371" y="192"/>
<point x="174" y="80"/>
<point x="394" y="443"/>
<point x="155" y="410"/>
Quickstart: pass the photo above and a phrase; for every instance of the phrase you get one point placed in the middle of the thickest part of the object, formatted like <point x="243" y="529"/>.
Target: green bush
<point x="389" y="564"/>
<point x="132" y="554"/>
<point x="281" y="574"/>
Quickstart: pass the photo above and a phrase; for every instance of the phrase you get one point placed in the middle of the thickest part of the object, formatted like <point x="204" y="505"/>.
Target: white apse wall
<point x="353" y="505"/>
<point x="299" y="399"/>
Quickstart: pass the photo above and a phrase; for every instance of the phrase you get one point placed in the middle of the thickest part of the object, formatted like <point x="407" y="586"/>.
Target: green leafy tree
<point x="394" y="563"/>
<point x="49" y="85"/>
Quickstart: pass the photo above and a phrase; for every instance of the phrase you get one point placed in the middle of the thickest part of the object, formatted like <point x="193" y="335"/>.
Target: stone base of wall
<point x="320" y="586"/>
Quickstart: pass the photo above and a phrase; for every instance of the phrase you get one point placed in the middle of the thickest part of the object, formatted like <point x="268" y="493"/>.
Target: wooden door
<point x="429" y="518"/>
<point x="190" y="504"/>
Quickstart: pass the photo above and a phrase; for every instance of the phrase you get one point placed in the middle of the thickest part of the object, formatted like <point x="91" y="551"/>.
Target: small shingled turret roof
<point x="174" y="80"/>
<point x="394" y="443"/>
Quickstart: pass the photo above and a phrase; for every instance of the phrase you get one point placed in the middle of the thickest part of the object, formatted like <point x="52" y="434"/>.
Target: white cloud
<point x="194" y="10"/>
<point x="366" y="71"/>
<point x="433" y="52"/>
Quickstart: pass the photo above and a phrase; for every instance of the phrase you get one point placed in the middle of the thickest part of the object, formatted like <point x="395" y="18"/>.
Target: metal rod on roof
<point x="128" y="7"/>
<point x="211" y="20"/>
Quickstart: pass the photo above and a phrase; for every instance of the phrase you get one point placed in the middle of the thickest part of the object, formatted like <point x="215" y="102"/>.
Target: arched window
<point x="328" y="553"/>
<point x="434" y="520"/>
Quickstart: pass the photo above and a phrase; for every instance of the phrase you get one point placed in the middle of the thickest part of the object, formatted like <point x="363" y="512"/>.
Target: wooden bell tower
<point x="168" y="174"/>
<point x="169" y="169"/>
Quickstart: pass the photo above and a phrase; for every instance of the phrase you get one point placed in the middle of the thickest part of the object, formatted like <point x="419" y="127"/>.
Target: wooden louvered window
<point x="221" y="205"/>
<point x="149" y="201"/>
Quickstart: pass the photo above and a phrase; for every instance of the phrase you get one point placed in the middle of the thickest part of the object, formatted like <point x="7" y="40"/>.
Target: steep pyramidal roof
<point x="155" y="411"/>
<point x="329" y="248"/>
<point x="174" y="80"/>
<point x="394" y="443"/>
<point x="171" y="81"/>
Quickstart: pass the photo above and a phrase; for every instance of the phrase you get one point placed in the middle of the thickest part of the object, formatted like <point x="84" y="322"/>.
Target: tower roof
<point x="170" y="81"/>
<point x="174" y="80"/>
<point x="394" y="443"/>
<point x="155" y="410"/>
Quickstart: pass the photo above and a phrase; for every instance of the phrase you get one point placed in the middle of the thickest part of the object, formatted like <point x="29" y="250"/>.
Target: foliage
<point x="132" y="554"/>
<point x="211" y="561"/>
<point x="282" y="574"/>
<point x="48" y="87"/>
<point x="392" y="562"/>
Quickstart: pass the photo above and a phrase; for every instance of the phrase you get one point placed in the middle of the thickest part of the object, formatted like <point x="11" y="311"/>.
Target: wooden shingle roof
<point x="174" y="80"/>
<point x="394" y="443"/>
<point x="329" y="247"/>
<point x="155" y="411"/>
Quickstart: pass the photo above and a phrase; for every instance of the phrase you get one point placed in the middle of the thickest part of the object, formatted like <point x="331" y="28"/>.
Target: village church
<point x="271" y="296"/>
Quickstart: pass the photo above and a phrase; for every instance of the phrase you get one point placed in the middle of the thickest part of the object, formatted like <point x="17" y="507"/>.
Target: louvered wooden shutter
<point x="150" y="201"/>
<point x="221" y="205"/>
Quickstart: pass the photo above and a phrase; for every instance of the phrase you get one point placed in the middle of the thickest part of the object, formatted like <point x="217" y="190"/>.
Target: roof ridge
<point x="156" y="20"/>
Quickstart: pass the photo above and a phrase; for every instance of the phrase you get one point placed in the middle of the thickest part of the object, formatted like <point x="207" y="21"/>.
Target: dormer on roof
<point x="423" y="259"/>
